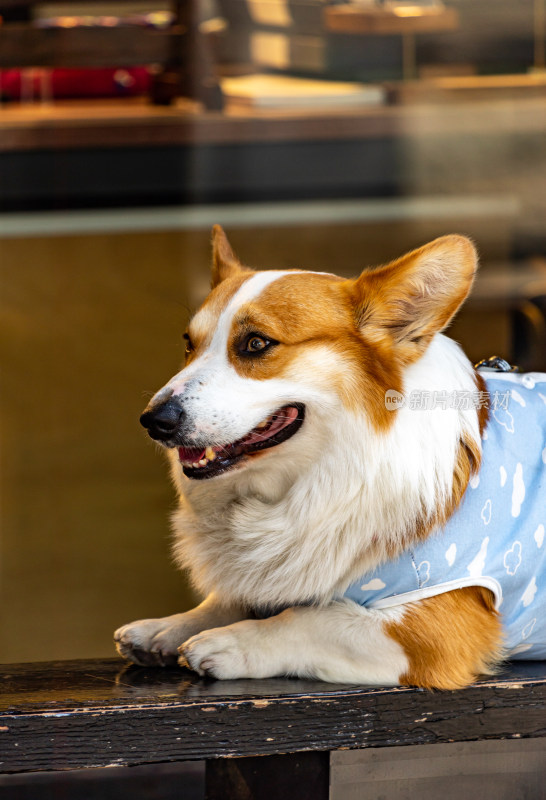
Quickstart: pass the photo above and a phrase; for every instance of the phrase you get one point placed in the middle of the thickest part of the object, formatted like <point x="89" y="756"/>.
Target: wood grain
<point x="65" y="715"/>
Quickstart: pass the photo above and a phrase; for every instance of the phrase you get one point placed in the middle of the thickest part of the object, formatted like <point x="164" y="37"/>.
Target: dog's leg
<point x="441" y="642"/>
<point x="342" y="643"/>
<point x="151" y="642"/>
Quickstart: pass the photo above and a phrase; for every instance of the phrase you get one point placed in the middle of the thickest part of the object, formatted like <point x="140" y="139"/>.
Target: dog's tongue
<point x="277" y="422"/>
<point x="283" y="418"/>
<point x="193" y="454"/>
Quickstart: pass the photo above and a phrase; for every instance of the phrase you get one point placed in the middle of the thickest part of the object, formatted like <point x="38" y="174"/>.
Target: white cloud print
<point x="424" y="573"/>
<point x="527" y="631"/>
<point x="518" y="398"/>
<point x="539" y="535"/>
<point x="451" y="554"/>
<point x="476" y="566"/>
<point x="486" y="513"/>
<point x="373" y="585"/>
<point x="512" y="558"/>
<point x="530" y="592"/>
<point x="518" y="491"/>
<point x="504" y="418"/>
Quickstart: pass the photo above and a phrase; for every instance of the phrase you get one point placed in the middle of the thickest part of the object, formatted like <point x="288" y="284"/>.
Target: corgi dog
<point x="353" y="503"/>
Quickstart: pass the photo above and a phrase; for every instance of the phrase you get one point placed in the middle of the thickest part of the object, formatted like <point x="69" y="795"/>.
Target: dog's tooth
<point x="210" y="454"/>
<point x="263" y="423"/>
<point x="203" y="462"/>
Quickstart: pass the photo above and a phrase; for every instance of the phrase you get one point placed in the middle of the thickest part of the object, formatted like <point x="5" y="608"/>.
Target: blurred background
<point x="325" y="136"/>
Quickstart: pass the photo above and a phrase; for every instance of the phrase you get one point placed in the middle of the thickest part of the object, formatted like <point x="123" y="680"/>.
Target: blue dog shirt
<point x="496" y="537"/>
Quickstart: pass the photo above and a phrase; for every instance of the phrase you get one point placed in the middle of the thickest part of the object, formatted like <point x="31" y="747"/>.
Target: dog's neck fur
<point x="299" y="526"/>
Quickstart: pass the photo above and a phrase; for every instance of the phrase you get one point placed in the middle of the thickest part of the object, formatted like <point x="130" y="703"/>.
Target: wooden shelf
<point x="121" y="46"/>
<point x="351" y="19"/>
<point x="132" y="123"/>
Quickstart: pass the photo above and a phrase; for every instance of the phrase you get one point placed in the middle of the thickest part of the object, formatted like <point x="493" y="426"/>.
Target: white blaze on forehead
<point x="216" y="352"/>
<point x="206" y="318"/>
<point x="214" y="360"/>
<point x="250" y="290"/>
<point x="202" y="322"/>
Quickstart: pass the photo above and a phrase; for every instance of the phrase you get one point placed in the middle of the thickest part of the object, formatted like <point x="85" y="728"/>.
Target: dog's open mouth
<point x="206" y="462"/>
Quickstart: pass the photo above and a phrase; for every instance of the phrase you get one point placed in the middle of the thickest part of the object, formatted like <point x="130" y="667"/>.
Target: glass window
<point x="323" y="135"/>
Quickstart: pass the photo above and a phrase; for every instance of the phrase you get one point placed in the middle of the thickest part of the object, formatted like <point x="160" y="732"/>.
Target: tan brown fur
<point x="227" y="277"/>
<point x="450" y="639"/>
<point x="225" y="263"/>
<point x="283" y="314"/>
<point x="375" y="341"/>
<point x="401" y="301"/>
<point x="483" y="410"/>
<point x="201" y="326"/>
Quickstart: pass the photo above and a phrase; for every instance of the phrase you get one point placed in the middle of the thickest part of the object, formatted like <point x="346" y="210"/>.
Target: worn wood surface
<point x="64" y="715"/>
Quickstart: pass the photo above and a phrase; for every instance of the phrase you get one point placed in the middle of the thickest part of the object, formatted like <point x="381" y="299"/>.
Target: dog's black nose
<point x="162" y="421"/>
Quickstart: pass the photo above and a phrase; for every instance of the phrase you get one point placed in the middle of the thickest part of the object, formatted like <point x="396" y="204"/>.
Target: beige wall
<point x="91" y="326"/>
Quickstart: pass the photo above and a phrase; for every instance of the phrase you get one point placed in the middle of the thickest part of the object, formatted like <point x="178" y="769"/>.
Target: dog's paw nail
<point x="183" y="661"/>
<point x="207" y="667"/>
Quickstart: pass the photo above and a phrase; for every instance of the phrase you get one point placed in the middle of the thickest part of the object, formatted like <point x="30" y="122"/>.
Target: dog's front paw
<point x="217" y="653"/>
<point x="152" y="642"/>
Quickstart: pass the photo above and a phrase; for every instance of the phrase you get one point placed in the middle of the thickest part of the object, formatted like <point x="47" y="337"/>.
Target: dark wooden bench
<point x="279" y="738"/>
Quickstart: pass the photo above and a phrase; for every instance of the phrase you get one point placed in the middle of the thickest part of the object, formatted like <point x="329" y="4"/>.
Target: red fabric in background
<point x="74" y="83"/>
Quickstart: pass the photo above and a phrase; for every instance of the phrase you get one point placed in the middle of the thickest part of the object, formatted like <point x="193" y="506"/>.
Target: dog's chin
<point x="200" y="463"/>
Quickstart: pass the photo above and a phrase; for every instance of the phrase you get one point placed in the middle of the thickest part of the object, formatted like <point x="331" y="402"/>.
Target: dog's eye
<point x="256" y="344"/>
<point x="189" y="345"/>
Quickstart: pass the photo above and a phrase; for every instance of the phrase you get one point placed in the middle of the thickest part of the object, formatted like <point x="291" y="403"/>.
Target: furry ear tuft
<point x="414" y="297"/>
<point x="225" y="263"/>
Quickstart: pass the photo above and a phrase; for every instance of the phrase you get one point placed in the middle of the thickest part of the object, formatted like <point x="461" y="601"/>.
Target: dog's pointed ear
<point x="225" y="263"/>
<point x="411" y="299"/>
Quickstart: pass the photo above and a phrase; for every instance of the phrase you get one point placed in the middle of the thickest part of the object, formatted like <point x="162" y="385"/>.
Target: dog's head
<point x="272" y="354"/>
